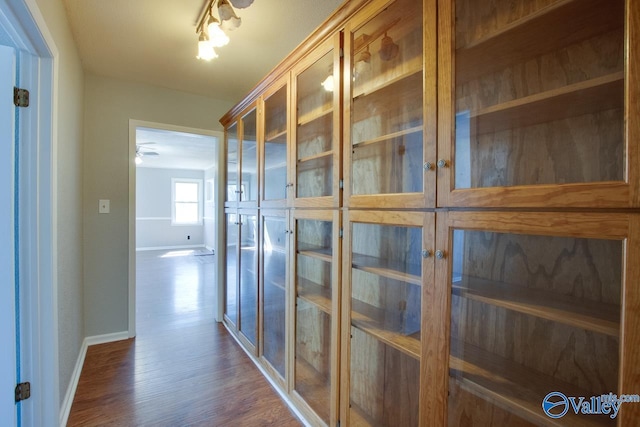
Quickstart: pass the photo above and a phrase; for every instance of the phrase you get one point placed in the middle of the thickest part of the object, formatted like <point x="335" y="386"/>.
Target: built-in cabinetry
<point x="433" y="214"/>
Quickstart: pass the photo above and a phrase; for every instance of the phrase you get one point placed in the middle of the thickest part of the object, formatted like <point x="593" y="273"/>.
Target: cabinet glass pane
<point x="314" y="136"/>
<point x="386" y="285"/>
<point x="531" y="315"/>
<point x="539" y="92"/>
<point x="249" y="158"/>
<point x="248" y="276"/>
<point x="387" y="98"/>
<point x="232" y="162"/>
<point x="313" y="314"/>
<point x="274" y="250"/>
<point x="275" y="145"/>
<point x="231" y="301"/>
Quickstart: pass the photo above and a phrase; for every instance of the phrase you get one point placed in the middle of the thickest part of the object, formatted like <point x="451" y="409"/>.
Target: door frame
<point x="37" y="60"/>
<point x="219" y="212"/>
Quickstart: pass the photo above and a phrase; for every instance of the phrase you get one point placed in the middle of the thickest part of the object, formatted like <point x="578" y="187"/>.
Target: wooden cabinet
<point x="315" y="263"/>
<point x="274" y="172"/>
<point x="315" y="165"/>
<point x="528" y="304"/>
<point x="448" y="212"/>
<point x="389" y="87"/>
<point x="387" y="260"/>
<point x="532" y="104"/>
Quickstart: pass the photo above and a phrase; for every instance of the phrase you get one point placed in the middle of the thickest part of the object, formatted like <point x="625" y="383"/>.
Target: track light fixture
<point x="211" y="30"/>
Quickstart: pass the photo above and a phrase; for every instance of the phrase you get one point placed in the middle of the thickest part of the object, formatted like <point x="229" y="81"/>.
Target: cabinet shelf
<point x="386" y="137"/>
<point x="316" y="161"/>
<point x="549" y="29"/>
<point x="367" y="318"/>
<point x="599" y="94"/>
<point x="388" y="269"/>
<point x="514" y="387"/>
<point x="313" y="386"/>
<point x="315" y="114"/>
<point x="277" y="137"/>
<point x="318" y="252"/>
<point x="315" y="294"/>
<point x="589" y="315"/>
<point x="407" y="69"/>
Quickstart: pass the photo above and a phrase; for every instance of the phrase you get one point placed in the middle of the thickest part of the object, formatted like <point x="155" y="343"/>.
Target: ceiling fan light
<point x="231" y="24"/>
<point x="205" y="49"/>
<point x="138" y="160"/>
<point x="241" y="4"/>
<point x="230" y="20"/>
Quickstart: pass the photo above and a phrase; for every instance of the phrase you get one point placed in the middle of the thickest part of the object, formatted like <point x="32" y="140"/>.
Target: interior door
<point x="8" y="366"/>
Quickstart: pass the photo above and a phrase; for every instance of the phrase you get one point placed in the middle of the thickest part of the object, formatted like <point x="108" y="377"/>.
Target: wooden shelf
<point x="318" y="252"/>
<point x="277" y="137"/>
<point x="406" y="69"/>
<point x="316" y="114"/>
<point x="387" y="137"/>
<point x="599" y="94"/>
<point x="317" y="161"/>
<point x="367" y="318"/>
<point x="589" y="315"/>
<point x="514" y="387"/>
<point x="315" y="294"/>
<point x="549" y="29"/>
<point x="313" y="387"/>
<point x="389" y="269"/>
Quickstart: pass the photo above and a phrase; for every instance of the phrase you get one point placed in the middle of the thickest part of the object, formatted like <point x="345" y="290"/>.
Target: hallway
<point x="183" y="368"/>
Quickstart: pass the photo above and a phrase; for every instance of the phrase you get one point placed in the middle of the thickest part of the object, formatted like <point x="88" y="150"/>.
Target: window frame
<point x="200" y="201"/>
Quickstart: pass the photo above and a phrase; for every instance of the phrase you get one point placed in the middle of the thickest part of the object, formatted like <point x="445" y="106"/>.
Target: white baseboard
<point x="65" y="409"/>
<point x="166" y="248"/>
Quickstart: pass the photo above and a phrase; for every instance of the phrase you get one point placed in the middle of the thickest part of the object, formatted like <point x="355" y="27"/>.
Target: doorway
<point x="174" y="194"/>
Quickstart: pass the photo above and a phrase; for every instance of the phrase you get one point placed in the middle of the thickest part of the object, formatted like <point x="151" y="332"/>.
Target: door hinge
<point x="341" y="184"/>
<point x="20" y="97"/>
<point x="341" y="53"/>
<point x="23" y="391"/>
<point x="340" y="233"/>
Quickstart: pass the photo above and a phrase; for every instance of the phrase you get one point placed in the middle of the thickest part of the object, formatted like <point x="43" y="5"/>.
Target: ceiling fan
<point x="142" y="151"/>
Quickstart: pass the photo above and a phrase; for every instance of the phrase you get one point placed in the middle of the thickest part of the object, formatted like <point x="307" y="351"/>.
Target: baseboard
<point x="65" y="409"/>
<point x="166" y="248"/>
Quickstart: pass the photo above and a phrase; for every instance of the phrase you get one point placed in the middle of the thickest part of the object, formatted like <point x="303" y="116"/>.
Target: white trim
<point x="210" y="248"/>
<point x="65" y="409"/>
<point x="168" y="248"/>
<point x="133" y="124"/>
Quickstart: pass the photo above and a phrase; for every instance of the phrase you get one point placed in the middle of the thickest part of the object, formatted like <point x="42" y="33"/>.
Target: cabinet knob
<point x="426" y="253"/>
<point x="440" y="254"/>
<point x="442" y="163"/>
<point x="428" y="166"/>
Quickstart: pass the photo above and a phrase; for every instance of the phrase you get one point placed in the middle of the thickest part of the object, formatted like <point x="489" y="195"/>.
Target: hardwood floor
<point x="183" y="368"/>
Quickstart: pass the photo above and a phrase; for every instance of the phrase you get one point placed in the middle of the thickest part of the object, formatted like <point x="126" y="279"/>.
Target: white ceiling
<point x="176" y="150"/>
<point x="154" y="42"/>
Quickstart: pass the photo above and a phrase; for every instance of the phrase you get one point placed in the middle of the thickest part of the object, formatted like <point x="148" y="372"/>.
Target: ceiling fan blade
<point x="150" y="153"/>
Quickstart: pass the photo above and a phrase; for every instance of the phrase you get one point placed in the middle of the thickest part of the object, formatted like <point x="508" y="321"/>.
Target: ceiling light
<point x="217" y="37"/>
<point x="211" y="31"/>
<point x="138" y="160"/>
<point x="327" y="84"/>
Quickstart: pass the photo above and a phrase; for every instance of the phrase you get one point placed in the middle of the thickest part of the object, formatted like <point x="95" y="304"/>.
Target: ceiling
<point x="175" y="150"/>
<point x="154" y="42"/>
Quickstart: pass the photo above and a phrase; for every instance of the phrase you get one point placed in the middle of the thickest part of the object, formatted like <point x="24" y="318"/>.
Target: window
<point x="186" y="201"/>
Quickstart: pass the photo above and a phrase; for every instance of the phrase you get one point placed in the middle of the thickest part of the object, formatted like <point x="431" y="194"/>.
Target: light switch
<point x="103" y="206"/>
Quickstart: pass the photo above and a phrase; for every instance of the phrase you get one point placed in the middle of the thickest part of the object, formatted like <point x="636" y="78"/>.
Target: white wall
<point x="109" y="105"/>
<point x="153" y="210"/>
<point x="69" y="86"/>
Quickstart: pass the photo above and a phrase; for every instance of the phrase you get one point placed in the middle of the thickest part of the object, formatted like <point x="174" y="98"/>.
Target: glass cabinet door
<point x="384" y="289"/>
<point x="231" y="269"/>
<point x="535" y="114"/>
<point x="535" y="316"/>
<point x="274" y="179"/>
<point x="248" y="278"/>
<point x="249" y="160"/>
<point x="316" y="159"/>
<point x="315" y="320"/>
<point x="233" y="189"/>
<point x="274" y="269"/>
<point x="385" y="153"/>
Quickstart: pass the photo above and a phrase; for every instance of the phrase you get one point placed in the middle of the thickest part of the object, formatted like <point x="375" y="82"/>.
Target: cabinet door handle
<point x="426" y="253"/>
<point x="440" y="254"/>
<point x="428" y="166"/>
<point x="442" y="163"/>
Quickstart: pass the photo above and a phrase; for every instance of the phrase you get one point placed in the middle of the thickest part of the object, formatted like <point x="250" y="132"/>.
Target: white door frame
<point x="218" y="197"/>
<point x="26" y="31"/>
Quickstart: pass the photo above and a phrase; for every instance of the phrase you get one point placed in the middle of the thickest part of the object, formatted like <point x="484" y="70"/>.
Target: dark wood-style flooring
<point x="183" y="368"/>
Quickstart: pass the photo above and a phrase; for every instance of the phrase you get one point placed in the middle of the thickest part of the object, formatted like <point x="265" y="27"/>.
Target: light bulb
<point x="217" y="37"/>
<point x="205" y="49"/>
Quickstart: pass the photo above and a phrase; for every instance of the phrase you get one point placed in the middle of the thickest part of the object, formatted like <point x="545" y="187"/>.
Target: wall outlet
<point x="104" y="206"/>
<point x="188" y="237"/>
